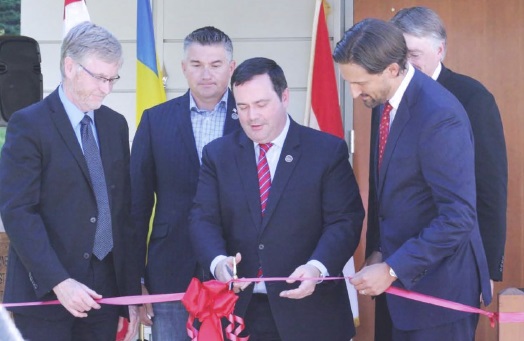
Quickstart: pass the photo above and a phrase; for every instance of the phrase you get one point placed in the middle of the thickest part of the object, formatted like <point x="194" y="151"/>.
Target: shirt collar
<point x="397" y="97"/>
<point x="437" y="71"/>
<point x="221" y="104"/>
<point x="74" y="114"/>
<point x="281" y="138"/>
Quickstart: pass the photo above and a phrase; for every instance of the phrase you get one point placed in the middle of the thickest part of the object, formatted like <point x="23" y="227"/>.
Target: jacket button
<point x="261" y="246"/>
<point x="86" y="255"/>
<point x="93" y="220"/>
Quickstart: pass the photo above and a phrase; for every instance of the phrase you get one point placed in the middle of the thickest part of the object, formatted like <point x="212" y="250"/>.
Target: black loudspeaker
<point x="20" y="75"/>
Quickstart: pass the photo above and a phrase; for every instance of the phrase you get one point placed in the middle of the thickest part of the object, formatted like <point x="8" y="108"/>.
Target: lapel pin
<point x="288" y="158"/>
<point x="234" y="115"/>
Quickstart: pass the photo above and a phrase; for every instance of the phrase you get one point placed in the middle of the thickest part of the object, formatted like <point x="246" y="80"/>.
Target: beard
<point x="381" y="97"/>
<point x="371" y="102"/>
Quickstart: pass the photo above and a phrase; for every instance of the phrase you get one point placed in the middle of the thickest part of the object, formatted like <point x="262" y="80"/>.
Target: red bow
<point x="209" y="302"/>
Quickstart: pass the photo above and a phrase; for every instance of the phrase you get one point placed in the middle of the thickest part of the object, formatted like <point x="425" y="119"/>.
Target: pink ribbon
<point x="513" y="317"/>
<point x="411" y="295"/>
<point x="123" y="300"/>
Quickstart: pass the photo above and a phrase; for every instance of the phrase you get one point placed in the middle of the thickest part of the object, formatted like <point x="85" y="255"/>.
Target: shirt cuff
<point x="323" y="270"/>
<point x="214" y="264"/>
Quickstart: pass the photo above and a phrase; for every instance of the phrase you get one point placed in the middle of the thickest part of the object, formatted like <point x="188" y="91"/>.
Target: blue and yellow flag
<point x="149" y="87"/>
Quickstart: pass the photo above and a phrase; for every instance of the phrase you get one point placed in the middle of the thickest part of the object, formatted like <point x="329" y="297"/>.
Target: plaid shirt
<point x="207" y="125"/>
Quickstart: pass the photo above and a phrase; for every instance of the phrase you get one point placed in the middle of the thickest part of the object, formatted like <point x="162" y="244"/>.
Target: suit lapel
<point x="375" y="122"/>
<point x="64" y="128"/>
<point x="444" y="75"/>
<point x="399" y="123"/>
<point x="289" y="158"/>
<point x="185" y="128"/>
<point x="106" y="143"/>
<point x="246" y="163"/>
<point x="231" y="123"/>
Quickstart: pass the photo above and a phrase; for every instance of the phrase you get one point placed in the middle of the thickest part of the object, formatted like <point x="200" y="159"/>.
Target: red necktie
<point x="264" y="176"/>
<point x="383" y="132"/>
<point x="264" y="182"/>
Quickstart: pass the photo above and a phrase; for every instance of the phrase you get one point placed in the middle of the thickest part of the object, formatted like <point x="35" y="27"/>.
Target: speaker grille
<point x="20" y="74"/>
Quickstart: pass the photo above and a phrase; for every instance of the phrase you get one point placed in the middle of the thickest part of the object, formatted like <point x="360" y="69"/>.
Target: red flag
<point x="322" y="109"/>
<point x="75" y="12"/>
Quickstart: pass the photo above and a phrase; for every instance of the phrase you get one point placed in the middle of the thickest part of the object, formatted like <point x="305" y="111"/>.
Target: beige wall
<point x="277" y="29"/>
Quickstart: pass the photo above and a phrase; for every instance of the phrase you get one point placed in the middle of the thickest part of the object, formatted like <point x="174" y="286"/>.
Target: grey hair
<point x="89" y="40"/>
<point x="421" y="22"/>
<point x="209" y="35"/>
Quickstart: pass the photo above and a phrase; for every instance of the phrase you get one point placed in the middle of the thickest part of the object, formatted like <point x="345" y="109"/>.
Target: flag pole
<point x="307" y="114"/>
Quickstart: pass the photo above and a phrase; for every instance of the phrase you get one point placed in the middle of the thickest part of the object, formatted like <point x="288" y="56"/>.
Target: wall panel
<point x="485" y="41"/>
<point x="276" y="29"/>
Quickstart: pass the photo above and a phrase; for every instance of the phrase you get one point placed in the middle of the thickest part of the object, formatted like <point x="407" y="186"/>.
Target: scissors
<point x="233" y="273"/>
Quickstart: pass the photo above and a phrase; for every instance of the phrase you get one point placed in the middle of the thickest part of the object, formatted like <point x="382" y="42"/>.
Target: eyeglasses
<point x="99" y="78"/>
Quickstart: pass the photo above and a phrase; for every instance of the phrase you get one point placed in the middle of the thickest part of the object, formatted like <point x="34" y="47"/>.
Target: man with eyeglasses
<point x="65" y="200"/>
<point x="101" y="79"/>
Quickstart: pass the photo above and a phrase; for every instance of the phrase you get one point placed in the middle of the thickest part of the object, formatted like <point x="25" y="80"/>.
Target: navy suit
<point x="422" y="206"/>
<point x="314" y="211"/>
<point x="165" y="163"/>
<point x="49" y="208"/>
<point x="491" y="163"/>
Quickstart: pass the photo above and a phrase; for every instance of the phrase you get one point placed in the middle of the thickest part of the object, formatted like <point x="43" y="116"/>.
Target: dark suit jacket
<point x="314" y="211"/>
<point x="422" y="213"/>
<point x="164" y="162"/>
<point x="48" y="205"/>
<point x="491" y="163"/>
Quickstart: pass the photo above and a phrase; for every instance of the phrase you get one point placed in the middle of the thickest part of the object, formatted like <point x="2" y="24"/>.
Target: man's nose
<point x="206" y="72"/>
<point x="355" y="90"/>
<point x="106" y="87"/>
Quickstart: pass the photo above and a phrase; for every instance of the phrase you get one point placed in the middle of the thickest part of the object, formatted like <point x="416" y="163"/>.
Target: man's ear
<point x="285" y="97"/>
<point x="69" y="67"/>
<point x="392" y="70"/>
<point x="441" y="50"/>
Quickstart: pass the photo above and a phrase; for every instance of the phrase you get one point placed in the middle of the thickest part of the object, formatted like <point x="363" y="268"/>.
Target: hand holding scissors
<point x="230" y="273"/>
